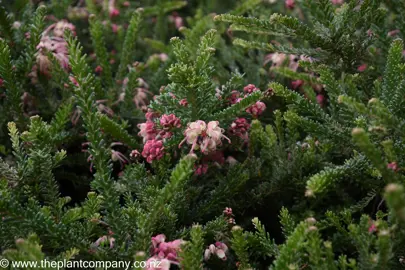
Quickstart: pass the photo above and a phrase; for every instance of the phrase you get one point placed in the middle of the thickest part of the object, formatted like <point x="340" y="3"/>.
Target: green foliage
<point x="277" y="126"/>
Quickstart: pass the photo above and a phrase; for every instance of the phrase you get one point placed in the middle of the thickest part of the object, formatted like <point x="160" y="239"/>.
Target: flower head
<point x="169" y="121"/>
<point x="183" y="102"/>
<point x="219" y="249"/>
<point x="61" y="26"/>
<point x="256" y="109"/>
<point x="153" y="150"/>
<point x="240" y="128"/>
<point x="205" y="136"/>
<point x="147" y="130"/>
<point x="250" y="88"/>
<point x="55" y="45"/>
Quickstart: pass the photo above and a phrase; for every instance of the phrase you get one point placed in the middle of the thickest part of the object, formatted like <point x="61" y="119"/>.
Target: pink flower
<point x="134" y="154"/>
<point x="158" y="239"/>
<point x="169" y="121"/>
<point x="321" y="100"/>
<point x="219" y="249"/>
<point x="177" y="20"/>
<point x="98" y="69"/>
<point x="240" y="128"/>
<point x="61" y="26"/>
<point x="104" y="240"/>
<point x="290" y="4"/>
<point x="153" y="150"/>
<point x="372" y="228"/>
<point x="228" y="211"/>
<point x="141" y="97"/>
<point x="362" y="68"/>
<point x="118" y="156"/>
<point x="114" y="28"/>
<point x="200" y="169"/>
<point x="208" y="137"/>
<point x="393" y="166"/>
<point x="150" y="115"/>
<point x="1" y="82"/>
<point x="337" y="2"/>
<point x="250" y="88"/>
<point x="162" y="250"/>
<point x="233" y="98"/>
<point x="126" y="4"/>
<point x="147" y="131"/>
<point x="114" y="13"/>
<point x="183" y="102"/>
<point x="393" y="32"/>
<point x="297" y="84"/>
<point x="55" y="45"/>
<point x="256" y="109"/>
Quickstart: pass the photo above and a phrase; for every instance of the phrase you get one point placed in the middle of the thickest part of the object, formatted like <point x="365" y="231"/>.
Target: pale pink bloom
<point x="169" y="121"/>
<point x="150" y="115"/>
<point x="208" y="137"/>
<point x="231" y="160"/>
<point x="134" y="154"/>
<point x="158" y="239"/>
<point x="61" y="26"/>
<point x="256" y="109"/>
<point x="118" y="156"/>
<point x="73" y="80"/>
<point x="163" y="57"/>
<point x="55" y="45"/>
<point x="250" y="88"/>
<point x="219" y="249"/>
<point x="126" y="4"/>
<point x="104" y="240"/>
<point x="177" y="20"/>
<point x="147" y="131"/>
<point x="142" y="83"/>
<point x="103" y="108"/>
<point x="153" y="150"/>
<point x="183" y="102"/>
<point x="228" y="211"/>
<point x="277" y="59"/>
<point x="393" y="32"/>
<point x="141" y="97"/>
<point x="337" y="2"/>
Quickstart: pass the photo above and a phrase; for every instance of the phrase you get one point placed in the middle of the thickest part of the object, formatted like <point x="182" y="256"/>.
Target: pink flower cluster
<point x="164" y="252"/>
<point x="219" y="249"/>
<point x="256" y="109"/>
<point x="153" y="133"/>
<point x="206" y="137"/>
<point x="239" y="128"/>
<point x="229" y="215"/>
<point x="52" y="41"/>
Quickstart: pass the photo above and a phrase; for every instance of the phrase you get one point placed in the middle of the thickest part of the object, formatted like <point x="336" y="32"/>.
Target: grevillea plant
<point x="155" y="132"/>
